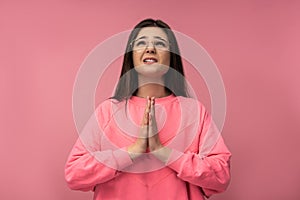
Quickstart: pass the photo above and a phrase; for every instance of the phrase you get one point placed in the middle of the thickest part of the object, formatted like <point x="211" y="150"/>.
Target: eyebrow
<point x="156" y="37"/>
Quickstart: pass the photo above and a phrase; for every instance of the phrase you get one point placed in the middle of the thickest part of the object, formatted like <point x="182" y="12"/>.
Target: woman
<point x="150" y="140"/>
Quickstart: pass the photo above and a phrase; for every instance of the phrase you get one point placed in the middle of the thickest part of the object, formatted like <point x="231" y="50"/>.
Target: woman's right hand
<point x="141" y="144"/>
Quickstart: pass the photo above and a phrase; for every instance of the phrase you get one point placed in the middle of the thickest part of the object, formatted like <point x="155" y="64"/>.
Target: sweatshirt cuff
<point x="122" y="158"/>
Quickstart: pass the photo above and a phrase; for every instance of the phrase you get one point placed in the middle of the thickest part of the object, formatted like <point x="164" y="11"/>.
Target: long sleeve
<point x="87" y="164"/>
<point x="210" y="167"/>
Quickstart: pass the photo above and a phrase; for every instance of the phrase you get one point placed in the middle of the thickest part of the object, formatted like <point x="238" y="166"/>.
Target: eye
<point x="140" y="43"/>
<point x="160" y="44"/>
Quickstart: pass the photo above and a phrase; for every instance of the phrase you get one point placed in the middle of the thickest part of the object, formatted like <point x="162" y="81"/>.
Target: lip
<point x="151" y="58"/>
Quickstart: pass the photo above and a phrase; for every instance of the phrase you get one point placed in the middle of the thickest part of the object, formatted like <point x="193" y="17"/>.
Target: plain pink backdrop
<point x="255" y="44"/>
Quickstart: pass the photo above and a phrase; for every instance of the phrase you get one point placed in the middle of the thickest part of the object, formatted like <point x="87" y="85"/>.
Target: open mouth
<point x="150" y="60"/>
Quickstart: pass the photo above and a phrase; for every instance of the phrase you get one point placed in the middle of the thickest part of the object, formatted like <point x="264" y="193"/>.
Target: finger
<point x="152" y="100"/>
<point x="148" y="105"/>
<point x="146" y="112"/>
<point x="143" y="132"/>
<point x="145" y="120"/>
<point x="151" y="131"/>
<point x="152" y="126"/>
<point x="152" y="108"/>
<point x="150" y="120"/>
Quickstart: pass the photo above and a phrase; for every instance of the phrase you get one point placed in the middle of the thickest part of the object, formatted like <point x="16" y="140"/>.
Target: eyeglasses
<point x="141" y="44"/>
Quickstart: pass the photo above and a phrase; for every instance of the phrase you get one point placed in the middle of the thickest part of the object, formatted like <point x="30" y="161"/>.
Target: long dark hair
<point x="173" y="80"/>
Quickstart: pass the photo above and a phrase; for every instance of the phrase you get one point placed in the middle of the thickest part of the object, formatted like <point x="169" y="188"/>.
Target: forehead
<point x="152" y="32"/>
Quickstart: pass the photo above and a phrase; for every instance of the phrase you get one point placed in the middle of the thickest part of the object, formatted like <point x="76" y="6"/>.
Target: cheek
<point x="135" y="58"/>
<point x="166" y="59"/>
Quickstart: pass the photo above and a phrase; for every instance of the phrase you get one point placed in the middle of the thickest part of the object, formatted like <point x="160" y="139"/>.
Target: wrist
<point x="162" y="154"/>
<point x="134" y="151"/>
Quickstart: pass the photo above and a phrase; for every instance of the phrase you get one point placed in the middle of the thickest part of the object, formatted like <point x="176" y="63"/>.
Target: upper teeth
<point x="149" y="60"/>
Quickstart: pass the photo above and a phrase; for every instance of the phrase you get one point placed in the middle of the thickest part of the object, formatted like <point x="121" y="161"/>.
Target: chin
<point x="154" y="70"/>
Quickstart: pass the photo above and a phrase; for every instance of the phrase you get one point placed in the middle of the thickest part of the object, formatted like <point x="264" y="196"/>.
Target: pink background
<point x="255" y="44"/>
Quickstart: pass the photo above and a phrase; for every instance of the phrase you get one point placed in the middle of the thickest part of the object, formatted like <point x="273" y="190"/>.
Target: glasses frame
<point x="132" y="45"/>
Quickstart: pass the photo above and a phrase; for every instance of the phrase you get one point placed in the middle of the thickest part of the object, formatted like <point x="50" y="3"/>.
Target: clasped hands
<point x="148" y="136"/>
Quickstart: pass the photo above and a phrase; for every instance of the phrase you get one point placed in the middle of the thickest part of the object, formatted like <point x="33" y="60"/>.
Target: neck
<point x="152" y="87"/>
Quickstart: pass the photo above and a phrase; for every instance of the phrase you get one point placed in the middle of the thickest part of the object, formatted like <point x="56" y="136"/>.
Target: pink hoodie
<point x="197" y="167"/>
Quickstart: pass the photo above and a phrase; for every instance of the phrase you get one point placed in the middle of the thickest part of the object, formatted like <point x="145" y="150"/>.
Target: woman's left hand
<point x="154" y="144"/>
<point x="153" y="138"/>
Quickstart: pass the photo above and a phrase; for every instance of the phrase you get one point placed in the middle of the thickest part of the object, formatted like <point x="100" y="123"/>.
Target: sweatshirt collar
<point x="142" y="101"/>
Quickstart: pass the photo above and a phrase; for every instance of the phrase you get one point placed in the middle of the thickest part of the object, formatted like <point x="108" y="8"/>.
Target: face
<point x="151" y="54"/>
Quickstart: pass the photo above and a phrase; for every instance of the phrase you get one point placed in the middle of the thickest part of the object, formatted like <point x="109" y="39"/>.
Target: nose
<point x="151" y="51"/>
<point x="150" y="48"/>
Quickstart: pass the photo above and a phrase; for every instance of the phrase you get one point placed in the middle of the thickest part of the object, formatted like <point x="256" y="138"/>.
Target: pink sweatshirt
<point x="197" y="167"/>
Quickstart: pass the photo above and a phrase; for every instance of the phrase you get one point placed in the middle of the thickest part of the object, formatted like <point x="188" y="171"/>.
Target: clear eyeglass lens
<point x="143" y="43"/>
